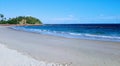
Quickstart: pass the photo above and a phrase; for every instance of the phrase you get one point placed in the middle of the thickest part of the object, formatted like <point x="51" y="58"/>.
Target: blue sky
<point x="64" y="11"/>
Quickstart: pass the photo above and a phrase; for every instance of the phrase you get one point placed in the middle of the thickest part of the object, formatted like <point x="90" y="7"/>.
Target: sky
<point x="64" y="11"/>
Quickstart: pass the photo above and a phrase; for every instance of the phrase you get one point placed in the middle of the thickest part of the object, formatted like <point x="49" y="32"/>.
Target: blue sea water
<point x="104" y="32"/>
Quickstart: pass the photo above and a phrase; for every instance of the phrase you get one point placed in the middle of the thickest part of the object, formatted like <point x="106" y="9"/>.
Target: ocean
<point x="104" y="32"/>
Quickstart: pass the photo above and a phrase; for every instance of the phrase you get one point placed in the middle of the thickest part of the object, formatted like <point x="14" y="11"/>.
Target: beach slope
<point x="74" y="52"/>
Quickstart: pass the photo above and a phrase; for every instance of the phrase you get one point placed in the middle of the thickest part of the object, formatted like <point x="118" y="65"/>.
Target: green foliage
<point x="29" y="20"/>
<point x="32" y="20"/>
<point x="1" y="15"/>
<point x="2" y="19"/>
<point x="12" y="21"/>
<point x="3" y="22"/>
<point x="19" y="20"/>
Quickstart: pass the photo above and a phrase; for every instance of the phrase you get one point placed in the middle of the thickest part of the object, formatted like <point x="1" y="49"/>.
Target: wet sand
<point x="76" y="52"/>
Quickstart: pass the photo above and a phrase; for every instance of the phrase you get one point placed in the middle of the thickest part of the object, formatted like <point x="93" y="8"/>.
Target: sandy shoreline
<point x="10" y="57"/>
<point x="62" y="50"/>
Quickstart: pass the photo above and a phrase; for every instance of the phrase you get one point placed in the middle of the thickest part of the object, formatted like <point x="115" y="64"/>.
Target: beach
<point x="10" y="57"/>
<point x="65" y="51"/>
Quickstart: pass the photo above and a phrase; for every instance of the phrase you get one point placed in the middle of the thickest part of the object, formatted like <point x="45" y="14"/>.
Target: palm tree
<point x="2" y="16"/>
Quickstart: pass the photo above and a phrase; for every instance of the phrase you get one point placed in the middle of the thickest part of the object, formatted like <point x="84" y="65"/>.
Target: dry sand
<point x="61" y="50"/>
<point x="9" y="57"/>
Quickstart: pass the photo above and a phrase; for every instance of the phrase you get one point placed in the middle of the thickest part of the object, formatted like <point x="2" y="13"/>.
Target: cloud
<point x="72" y="19"/>
<point x="110" y="17"/>
<point x="68" y="18"/>
<point x="101" y="18"/>
<point x="64" y="19"/>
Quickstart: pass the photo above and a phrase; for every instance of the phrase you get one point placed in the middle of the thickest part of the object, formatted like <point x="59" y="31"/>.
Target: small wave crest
<point x="96" y="37"/>
<point x="70" y="34"/>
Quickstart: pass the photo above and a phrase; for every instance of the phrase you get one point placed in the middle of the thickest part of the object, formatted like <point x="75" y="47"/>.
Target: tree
<point x="3" y="20"/>
<point x="24" y="20"/>
<point x="32" y="20"/>
<point x="1" y="16"/>
<point x="20" y="20"/>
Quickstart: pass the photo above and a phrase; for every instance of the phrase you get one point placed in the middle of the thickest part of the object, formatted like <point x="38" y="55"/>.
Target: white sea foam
<point x="70" y="34"/>
<point x="9" y="57"/>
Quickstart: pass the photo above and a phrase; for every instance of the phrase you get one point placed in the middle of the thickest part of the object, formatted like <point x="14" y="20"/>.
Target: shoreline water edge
<point x="102" y="32"/>
<point x="60" y="50"/>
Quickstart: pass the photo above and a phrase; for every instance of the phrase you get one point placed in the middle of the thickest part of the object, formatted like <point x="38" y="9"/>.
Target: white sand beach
<point x="52" y="49"/>
<point x="9" y="57"/>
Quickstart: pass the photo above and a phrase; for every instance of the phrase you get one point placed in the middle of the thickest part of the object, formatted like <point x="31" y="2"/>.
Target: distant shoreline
<point x="20" y="25"/>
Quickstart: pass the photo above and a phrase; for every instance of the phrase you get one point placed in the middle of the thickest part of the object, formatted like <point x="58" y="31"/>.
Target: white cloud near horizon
<point x="73" y="19"/>
<point x="68" y="18"/>
<point x="99" y="18"/>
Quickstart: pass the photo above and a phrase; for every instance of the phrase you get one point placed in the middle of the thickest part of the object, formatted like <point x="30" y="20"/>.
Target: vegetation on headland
<point x="20" y="20"/>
